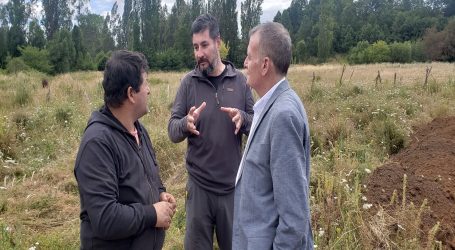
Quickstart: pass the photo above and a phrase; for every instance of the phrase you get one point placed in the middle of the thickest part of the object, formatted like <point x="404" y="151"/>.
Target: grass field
<point x="356" y="123"/>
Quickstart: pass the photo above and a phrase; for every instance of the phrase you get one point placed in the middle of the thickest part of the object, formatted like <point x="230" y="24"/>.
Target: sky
<point x="269" y="7"/>
<point x="102" y="7"/>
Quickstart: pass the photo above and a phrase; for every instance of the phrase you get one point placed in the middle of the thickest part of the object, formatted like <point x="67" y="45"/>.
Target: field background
<point x="356" y="122"/>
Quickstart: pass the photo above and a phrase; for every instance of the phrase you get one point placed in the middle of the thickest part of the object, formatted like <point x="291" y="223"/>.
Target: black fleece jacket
<point x="118" y="183"/>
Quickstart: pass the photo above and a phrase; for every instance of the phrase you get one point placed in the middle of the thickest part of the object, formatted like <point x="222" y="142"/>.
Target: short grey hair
<point x="275" y="43"/>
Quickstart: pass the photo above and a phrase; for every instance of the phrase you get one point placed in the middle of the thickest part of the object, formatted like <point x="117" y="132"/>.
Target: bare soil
<point x="429" y="163"/>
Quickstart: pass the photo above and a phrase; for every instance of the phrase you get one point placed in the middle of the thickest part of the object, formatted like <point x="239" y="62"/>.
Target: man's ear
<point x="218" y="41"/>
<point x="130" y="94"/>
<point x="266" y="65"/>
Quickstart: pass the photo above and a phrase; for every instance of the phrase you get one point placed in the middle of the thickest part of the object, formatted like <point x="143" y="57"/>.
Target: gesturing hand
<point x="192" y="117"/>
<point x="236" y="117"/>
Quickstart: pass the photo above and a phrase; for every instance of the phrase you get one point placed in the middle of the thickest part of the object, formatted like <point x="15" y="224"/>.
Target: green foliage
<point x="390" y="136"/>
<point x="16" y="65"/>
<point x="358" y="54"/>
<point x="168" y="60"/>
<point x="35" y="35"/>
<point x="417" y="51"/>
<point x="400" y="52"/>
<point x="378" y="52"/>
<point x="224" y="50"/>
<point x="3" y="46"/>
<point x="101" y="60"/>
<point x="36" y="58"/>
<point x="300" y="51"/>
<point x="62" y="52"/>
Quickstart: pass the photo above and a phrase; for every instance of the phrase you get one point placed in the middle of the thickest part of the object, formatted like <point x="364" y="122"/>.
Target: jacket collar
<point x="284" y="86"/>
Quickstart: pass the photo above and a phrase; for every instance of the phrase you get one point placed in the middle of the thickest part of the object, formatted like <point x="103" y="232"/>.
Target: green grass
<point x="355" y="127"/>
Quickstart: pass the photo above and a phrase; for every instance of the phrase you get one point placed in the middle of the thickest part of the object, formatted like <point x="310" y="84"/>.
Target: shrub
<point x="400" y="52"/>
<point x="16" y="65"/>
<point x="378" y="52"/>
<point x="224" y="50"/>
<point x="417" y="51"/>
<point x="36" y="58"/>
<point x="357" y="54"/>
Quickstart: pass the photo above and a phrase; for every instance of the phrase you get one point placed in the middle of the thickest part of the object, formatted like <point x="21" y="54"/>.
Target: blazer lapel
<point x="278" y="91"/>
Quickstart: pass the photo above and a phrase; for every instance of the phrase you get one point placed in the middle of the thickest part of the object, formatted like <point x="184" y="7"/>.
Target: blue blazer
<point x="271" y="207"/>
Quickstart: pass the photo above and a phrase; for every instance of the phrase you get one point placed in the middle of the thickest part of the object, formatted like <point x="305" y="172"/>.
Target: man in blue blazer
<point x="271" y="206"/>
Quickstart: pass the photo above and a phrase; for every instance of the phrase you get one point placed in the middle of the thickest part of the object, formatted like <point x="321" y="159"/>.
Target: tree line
<point x="67" y="37"/>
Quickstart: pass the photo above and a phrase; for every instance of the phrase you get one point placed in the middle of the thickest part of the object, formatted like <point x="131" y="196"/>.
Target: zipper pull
<point x="216" y="97"/>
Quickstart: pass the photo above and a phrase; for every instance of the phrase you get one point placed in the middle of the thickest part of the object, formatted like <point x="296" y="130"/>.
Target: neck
<point x="124" y="116"/>
<point x="219" y="68"/>
<point x="269" y="82"/>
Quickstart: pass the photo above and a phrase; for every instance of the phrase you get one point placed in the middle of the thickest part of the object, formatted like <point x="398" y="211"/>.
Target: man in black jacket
<point x="124" y="204"/>
<point x="213" y="108"/>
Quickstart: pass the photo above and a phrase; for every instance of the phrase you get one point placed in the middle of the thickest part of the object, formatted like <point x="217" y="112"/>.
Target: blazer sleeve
<point x="290" y="180"/>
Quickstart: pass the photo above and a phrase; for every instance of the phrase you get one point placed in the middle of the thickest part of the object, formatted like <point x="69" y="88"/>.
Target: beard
<point x="208" y="69"/>
<point x="210" y="64"/>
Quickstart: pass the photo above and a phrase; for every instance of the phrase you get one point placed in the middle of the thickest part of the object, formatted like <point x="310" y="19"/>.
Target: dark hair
<point x="275" y="43"/>
<point x="123" y="69"/>
<point x="203" y="22"/>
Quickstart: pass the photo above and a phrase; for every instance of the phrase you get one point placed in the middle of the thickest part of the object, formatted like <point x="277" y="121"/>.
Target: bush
<point x="36" y="58"/>
<point x="16" y="65"/>
<point x="400" y="52"/>
<point x="357" y="54"/>
<point x="101" y="60"/>
<point x="378" y="52"/>
<point x="417" y="51"/>
<point x="168" y="60"/>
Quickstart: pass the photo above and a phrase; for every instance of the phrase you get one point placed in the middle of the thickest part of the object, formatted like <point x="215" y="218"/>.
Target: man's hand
<point x="169" y="198"/>
<point x="192" y="117"/>
<point x="236" y="117"/>
<point x="164" y="214"/>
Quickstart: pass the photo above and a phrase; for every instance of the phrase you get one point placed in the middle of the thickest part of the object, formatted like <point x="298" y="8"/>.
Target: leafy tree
<point x="251" y="12"/>
<point x="92" y="32"/>
<point x="36" y="58"/>
<point x="400" y="52"/>
<point x="325" y="25"/>
<point x="16" y="65"/>
<point x="3" y="46"/>
<point x="57" y="15"/>
<point x="277" y="17"/>
<point x="80" y="57"/>
<point x="378" y="52"/>
<point x="62" y="51"/>
<point x="107" y="41"/>
<point x="35" y="35"/>
<point x="18" y="13"/>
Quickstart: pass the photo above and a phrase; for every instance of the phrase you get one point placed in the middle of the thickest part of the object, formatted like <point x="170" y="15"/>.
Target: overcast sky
<point x="269" y="7"/>
<point x="102" y="7"/>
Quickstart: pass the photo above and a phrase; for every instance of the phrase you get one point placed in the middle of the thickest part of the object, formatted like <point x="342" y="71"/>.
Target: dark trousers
<point x="207" y="212"/>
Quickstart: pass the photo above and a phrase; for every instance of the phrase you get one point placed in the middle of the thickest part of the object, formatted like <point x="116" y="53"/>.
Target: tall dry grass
<point x="355" y="126"/>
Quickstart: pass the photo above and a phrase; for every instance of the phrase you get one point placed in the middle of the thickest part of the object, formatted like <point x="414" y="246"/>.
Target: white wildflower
<point x="367" y="206"/>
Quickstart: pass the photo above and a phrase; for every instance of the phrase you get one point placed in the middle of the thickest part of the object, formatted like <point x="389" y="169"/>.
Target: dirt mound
<point x="429" y="163"/>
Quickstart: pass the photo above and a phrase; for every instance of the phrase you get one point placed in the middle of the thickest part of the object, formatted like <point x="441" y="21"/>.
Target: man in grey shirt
<point x="212" y="109"/>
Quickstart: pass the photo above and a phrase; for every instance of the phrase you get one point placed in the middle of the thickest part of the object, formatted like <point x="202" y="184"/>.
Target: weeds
<point x="354" y="127"/>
